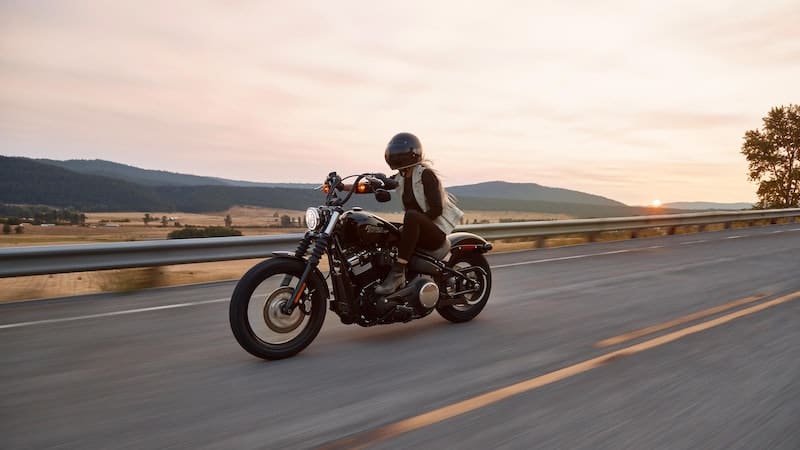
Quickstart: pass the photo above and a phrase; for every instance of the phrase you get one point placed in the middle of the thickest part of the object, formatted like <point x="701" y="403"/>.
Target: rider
<point x="430" y="213"/>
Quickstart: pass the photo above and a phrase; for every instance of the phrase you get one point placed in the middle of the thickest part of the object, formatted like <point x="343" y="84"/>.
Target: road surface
<point x="688" y="341"/>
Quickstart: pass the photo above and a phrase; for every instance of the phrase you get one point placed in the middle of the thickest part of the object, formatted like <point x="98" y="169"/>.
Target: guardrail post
<point x="591" y="236"/>
<point x="635" y="234"/>
<point x="671" y="230"/>
<point x="701" y="228"/>
<point x="728" y="225"/>
<point x="541" y="241"/>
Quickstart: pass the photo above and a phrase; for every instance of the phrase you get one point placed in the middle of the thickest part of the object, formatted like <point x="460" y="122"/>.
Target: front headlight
<point x="312" y="218"/>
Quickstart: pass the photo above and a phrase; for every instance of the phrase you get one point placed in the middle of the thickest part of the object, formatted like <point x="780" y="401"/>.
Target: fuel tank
<point x="362" y="228"/>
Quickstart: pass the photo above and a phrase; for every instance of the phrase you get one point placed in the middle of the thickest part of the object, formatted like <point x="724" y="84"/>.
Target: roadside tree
<point x="773" y="156"/>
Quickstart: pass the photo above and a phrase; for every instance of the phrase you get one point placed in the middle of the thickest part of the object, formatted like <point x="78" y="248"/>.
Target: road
<point x="537" y="369"/>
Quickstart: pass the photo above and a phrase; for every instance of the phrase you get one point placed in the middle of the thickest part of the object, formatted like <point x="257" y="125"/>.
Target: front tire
<point x="475" y="302"/>
<point x="255" y="317"/>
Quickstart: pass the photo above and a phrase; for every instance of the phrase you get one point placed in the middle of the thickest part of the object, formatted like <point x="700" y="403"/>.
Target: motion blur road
<point x="538" y="368"/>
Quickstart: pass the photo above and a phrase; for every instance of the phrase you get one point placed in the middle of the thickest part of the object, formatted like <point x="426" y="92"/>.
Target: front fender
<point x="315" y="273"/>
<point x="468" y="242"/>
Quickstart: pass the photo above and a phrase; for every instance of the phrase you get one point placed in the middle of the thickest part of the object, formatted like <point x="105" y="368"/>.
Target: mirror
<point x="382" y="195"/>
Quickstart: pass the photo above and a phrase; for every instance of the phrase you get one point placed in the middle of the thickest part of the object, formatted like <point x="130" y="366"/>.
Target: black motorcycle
<point x="279" y="305"/>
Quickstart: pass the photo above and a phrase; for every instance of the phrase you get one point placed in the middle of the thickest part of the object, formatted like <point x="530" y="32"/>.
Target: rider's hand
<point x="389" y="183"/>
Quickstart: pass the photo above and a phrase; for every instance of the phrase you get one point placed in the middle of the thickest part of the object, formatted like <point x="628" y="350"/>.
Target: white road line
<point x="794" y="229"/>
<point x="694" y="242"/>
<point x="734" y="237"/>
<point x="564" y="258"/>
<point x="114" y="313"/>
<point x="776" y="232"/>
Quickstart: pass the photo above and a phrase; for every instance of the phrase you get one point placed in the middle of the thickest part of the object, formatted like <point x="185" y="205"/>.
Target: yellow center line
<point x="456" y="409"/>
<point x="675" y="322"/>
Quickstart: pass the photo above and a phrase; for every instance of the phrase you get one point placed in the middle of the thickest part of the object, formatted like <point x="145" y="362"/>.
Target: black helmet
<point x="403" y="150"/>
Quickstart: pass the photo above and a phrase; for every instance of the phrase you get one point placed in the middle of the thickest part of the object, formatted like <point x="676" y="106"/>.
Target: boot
<point x="393" y="281"/>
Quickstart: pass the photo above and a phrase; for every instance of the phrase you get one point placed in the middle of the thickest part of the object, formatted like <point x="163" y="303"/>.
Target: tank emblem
<point x="374" y="229"/>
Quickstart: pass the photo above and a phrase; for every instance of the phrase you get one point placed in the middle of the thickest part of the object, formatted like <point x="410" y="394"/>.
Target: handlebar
<point x="373" y="181"/>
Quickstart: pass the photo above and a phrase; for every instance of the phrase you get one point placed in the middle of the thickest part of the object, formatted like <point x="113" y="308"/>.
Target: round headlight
<point x="312" y="218"/>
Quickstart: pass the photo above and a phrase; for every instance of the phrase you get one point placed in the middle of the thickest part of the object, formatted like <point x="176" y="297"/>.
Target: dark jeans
<point x="418" y="230"/>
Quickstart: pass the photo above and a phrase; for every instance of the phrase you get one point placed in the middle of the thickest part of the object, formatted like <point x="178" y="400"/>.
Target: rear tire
<point x="465" y="313"/>
<point x="255" y="317"/>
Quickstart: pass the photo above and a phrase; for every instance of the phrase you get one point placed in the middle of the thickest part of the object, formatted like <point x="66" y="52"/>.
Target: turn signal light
<point x="326" y="188"/>
<point x="361" y="188"/>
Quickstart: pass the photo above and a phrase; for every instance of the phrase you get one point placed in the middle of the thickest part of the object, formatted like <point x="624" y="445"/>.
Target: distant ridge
<point x="36" y="182"/>
<point x="150" y="177"/>
<point x="27" y="181"/>
<point x="529" y="192"/>
<point x="708" y="205"/>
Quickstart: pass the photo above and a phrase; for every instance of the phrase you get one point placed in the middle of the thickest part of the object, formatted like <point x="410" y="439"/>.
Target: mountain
<point x="149" y="177"/>
<point x="529" y="192"/>
<point x="33" y="182"/>
<point x="25" y="181"/>
<point x="708" y="205"/>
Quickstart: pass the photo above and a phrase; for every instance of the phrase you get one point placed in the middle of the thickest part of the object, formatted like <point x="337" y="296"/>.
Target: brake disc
<point x="275" y="319"/>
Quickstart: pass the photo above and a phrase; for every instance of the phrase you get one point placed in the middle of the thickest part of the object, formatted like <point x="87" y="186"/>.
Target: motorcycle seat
<point x="440" y="253"/>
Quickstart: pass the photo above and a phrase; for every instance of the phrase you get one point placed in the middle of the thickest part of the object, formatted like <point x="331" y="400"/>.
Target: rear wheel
<point x="255" y="313"/>
<point x="472" y="302"/>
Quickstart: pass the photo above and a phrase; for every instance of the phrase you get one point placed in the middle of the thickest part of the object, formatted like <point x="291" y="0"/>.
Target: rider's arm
<point x="389" y="183"/>
<point x="433" y="193"/>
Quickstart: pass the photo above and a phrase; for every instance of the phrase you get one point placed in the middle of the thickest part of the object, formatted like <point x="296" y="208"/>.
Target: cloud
<point x="533" y="91"/>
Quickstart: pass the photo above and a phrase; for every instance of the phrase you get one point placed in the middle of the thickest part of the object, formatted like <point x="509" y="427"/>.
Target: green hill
<point x="25" y="181"/>
<point x="148" y="177"/>
<point x="28" y="181"/>
<point x="530" y="192"/>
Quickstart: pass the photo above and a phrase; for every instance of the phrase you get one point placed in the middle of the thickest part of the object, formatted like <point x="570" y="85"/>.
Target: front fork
<point x="320" y="245"/>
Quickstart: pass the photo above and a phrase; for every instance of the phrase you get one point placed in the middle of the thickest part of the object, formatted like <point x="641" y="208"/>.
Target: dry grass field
<point x="251" y="221"/>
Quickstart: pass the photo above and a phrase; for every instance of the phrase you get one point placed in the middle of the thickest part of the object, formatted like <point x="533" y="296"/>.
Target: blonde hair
<point x="428" y="164"/>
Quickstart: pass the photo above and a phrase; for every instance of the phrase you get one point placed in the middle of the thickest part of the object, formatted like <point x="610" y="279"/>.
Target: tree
<point x="164" y="221"/>
<point x="773" y="156"/>
<point x="6" y="228"/>
<point x="147" y="218"/>
<point x="228" y="221"/>
<point x="18" y="229"/>
<point x="286" y="221"/>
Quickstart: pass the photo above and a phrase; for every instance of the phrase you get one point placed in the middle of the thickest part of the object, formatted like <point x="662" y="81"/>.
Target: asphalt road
<point x="160" y="368"/>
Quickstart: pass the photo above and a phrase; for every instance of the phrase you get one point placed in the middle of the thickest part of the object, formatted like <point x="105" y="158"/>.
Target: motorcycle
<point x="279" y="305"/>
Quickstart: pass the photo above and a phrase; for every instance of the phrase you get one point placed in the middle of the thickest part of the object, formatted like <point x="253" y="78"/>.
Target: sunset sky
<point x="627" y="99"/>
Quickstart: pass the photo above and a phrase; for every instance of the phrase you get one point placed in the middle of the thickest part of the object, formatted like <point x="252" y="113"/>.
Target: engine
<point x="367" y="265"/>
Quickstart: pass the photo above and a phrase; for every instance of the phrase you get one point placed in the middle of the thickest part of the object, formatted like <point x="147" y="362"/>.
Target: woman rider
<point x="430" y="214"/>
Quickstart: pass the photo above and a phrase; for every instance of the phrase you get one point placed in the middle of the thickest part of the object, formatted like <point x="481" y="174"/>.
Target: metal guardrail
<point x="40" y="260"/>
<point x="561" y="227"/>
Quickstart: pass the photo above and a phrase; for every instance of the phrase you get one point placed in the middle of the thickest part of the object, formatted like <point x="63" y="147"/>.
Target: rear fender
<point x="467" y="242"/>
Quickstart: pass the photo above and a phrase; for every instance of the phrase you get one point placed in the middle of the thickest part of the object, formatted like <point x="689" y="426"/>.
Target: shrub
<point x="197" y="232"/>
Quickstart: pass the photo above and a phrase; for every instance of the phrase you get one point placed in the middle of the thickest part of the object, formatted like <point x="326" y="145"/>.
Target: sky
<point x="631" y="100"/>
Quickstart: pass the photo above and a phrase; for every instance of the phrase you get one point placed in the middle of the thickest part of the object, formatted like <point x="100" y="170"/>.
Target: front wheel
<point x="473" y="302"/>
<point x="255" y="313"/>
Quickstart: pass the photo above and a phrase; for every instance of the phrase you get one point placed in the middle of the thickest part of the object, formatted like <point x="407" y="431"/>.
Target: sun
<point x="655" y="203"/>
